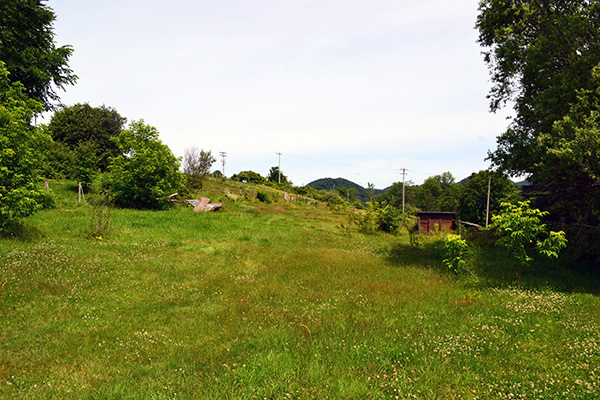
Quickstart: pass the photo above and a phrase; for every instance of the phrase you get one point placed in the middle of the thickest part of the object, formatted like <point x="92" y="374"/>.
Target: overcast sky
<point x="342" y="88"/>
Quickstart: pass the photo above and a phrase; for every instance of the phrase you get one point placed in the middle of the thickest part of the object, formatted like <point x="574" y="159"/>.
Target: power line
<point x="341" y="164"/>
<point x="335" y="163"/>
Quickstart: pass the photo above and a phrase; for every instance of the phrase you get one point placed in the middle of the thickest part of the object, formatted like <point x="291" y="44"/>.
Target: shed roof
<point x="436" y="213"/>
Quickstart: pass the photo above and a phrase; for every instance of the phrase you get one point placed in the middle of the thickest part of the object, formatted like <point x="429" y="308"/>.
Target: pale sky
<point x="342" y="88"/>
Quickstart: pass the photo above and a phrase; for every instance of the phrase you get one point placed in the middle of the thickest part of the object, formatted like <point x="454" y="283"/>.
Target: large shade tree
<point x="27" y="47"/>
<point x="543" y="55"/>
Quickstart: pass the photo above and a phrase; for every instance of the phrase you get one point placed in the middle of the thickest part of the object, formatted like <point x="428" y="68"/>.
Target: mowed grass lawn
<point x="272" y="301"/>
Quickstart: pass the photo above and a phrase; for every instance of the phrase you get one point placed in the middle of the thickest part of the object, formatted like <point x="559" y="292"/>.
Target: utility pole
<point x="403" y="176"/>
<point x="223" y="156"/>
<point x="279" y="167"/>
<point x="487" y="214"/>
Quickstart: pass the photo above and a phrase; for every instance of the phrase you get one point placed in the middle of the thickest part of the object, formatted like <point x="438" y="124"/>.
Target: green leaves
<point x="551" y="246"/>
<point x="81" y="123"/>
<point x="196" y="166"/>
<point x="521" y="231"/>
<point x="146" y="172"/>
<point x="29" y="51"/>
<point x="543" y="58"/>
<point x="575" y="139"/>
<point x="19" y="153"/>
<point x="456" y="248"/>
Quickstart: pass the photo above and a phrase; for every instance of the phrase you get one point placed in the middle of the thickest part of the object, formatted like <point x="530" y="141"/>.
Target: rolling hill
<point x="337" y="183"/>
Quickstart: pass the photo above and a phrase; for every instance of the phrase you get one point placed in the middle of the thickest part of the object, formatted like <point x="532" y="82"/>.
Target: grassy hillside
<point x="277" y="301"/>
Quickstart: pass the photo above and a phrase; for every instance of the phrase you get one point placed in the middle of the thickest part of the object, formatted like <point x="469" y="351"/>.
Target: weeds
<point x="455" y="253"/>
<point x="100" y="217"/>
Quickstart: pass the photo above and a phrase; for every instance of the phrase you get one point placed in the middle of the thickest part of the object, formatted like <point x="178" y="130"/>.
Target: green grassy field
<point x="277" y="301"/>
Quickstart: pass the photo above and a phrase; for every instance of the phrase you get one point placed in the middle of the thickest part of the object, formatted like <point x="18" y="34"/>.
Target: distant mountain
<point x="523" y="184"/>
<point x="337" y="183"/>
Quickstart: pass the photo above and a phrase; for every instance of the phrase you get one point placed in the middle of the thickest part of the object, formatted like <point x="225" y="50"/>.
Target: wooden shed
<point x="436" y="221"/>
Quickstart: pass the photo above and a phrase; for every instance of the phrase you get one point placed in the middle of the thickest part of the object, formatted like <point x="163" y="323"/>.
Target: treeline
<point x="81" y="142"/>
<point x="467" y="198"/>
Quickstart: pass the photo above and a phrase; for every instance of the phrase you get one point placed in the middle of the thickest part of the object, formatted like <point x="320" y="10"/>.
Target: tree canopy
<point x="473" y="201"/>
<point x="275" y="176"/>
<point x="29" y="51"/>
<point x="438" y="193"/>
<point x="540" y="54"/>
<point x="81" y="123"/>
<point x="544" y="56"/>
<point x="248" y="176"/>
<point x="146" y="172"/>
<point x="20" y="143"/>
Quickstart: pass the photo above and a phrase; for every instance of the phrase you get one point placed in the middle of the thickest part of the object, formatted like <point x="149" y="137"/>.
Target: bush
<point x="390" y="219"/>
<point x="375" y="218"/>
<point x="147" y="172"/>
<point x="456" y="248"/>
<point x="100" y="214"/>
<point x="86" y="163"/>
<point x="522" y="232"/>
<point x="57" y="160"/>
<point x="333" y="200"/>
<point x="249" y="177"/>
<point x="262" y="196"/>
<point x="47" y="199"/>
<point x="366" y="221"/>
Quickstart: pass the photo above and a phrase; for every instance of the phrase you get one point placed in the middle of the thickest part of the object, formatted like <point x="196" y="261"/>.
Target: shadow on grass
<point x="22" y="232"/>
<point x="492" y="267"/>
<point x="429" y="255"/>
<point x="495" y="268"/>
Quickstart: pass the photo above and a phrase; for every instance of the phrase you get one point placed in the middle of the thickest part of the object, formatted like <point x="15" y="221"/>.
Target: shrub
<point x="522" y="232"/>
<point x="146" y="172"/>
<point x="333" y="200"/>
<point x="390" y="219"/>
<point x="262" y="196"/>
<point x="100" y="215"/>
<point x="455" y="252"/>
<point x="366" y="221"/>
<point x="86" y="163"/>
<point x="249" y="177"/>
<point x="375" y="218"/>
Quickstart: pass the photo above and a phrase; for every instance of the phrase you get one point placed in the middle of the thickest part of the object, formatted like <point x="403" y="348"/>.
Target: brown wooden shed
<point x="436" y="221"/>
